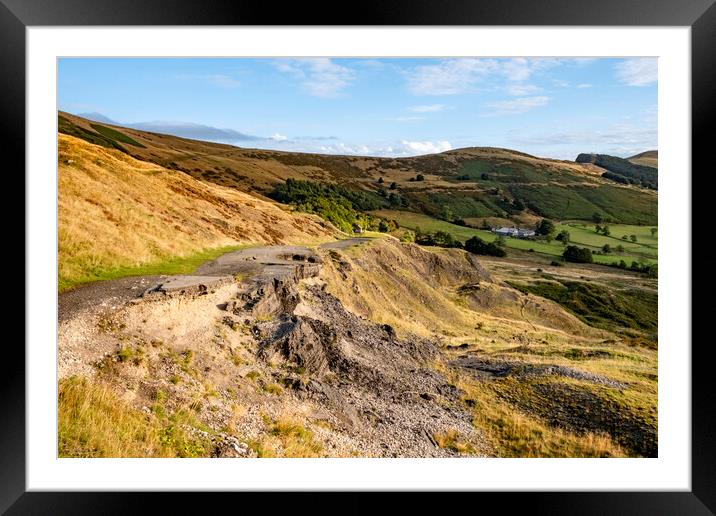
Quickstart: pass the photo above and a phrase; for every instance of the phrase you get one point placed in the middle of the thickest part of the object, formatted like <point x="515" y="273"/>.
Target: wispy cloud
<point x="319" y="77"/>
<point x="430" y="108"/>
<point x="584" y="85"/>
<point x="456" y="76"/>
<point x="621" y="139"/>
<point x="516" y="106"/>
<point x="640" y="71"/>
<point x="449" y="77"/>
<point x="522" y="89"/>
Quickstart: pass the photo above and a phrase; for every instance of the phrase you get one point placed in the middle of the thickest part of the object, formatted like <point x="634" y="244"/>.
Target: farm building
<point x="514" y="232"/>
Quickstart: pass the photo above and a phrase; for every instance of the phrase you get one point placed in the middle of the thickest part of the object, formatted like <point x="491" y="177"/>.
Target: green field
<point x="581" y="233"/>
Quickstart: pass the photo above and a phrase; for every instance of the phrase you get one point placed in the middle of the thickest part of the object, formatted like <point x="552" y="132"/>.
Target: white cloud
<point x="560" y="83"/>
<point x="516" y="106"/>
<point x="318" y="76"/>
<point x="522" y="89"/>
<point x="584" y="85"/>
<point x="449" y="77"/>
<point x="640" y="71"/>
<point x="456" y="76"/>
<point x="381" y="149"/>
<point x="427" y="147"/>
<point x="278" y="137"/>
<point x="431" y="108"/>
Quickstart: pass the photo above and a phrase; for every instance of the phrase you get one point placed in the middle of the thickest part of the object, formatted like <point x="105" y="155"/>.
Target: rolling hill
<point x="648" y="158"/>
<point x="462" y="183"/>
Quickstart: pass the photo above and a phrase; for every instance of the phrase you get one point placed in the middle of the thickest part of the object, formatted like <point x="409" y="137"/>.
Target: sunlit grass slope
<point x="117" y="214"/>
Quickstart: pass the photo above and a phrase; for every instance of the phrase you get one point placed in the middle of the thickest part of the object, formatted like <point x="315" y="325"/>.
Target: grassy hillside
<point x="472" y="182"/>
<point x="117" y="215"/>
<point x="648" y="158"/>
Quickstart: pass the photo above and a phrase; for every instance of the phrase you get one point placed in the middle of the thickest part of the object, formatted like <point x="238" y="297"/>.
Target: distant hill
<point x="623" y="170"/>
<point x="648" y="158"/>
<point x="98" y="117"/>
<point x="463" y="183"/>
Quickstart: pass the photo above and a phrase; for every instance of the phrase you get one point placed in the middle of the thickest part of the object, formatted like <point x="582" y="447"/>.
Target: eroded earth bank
<point x="361" y="347"/>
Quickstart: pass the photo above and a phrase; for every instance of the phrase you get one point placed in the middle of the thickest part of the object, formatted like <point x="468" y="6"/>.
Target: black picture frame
<point x="700" y="15"/>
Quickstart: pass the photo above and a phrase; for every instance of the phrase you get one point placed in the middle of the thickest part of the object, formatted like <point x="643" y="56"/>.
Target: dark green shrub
<point x="577" y="254"/>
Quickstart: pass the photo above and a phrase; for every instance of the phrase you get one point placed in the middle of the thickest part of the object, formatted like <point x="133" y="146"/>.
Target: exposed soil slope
<point x="275" y="346"/>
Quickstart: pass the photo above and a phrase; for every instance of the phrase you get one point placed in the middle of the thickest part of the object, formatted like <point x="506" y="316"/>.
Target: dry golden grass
<point x="115" y="212"/>
<point x="416" y="290"/>
<point x="287" y="437"/>
<point x="516" y="434"/>
<point x="451" y="440"/>
<point x="94" y="422"/>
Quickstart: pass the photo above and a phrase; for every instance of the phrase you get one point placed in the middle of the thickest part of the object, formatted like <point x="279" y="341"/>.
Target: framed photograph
<point x="269" y="251"/>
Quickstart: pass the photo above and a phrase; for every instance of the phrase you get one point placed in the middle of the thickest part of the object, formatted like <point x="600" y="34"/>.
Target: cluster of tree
<point x="563" y="236"/>
<point x="438" y="238"/>
<point x="545" y="227"/>
<point x="630" y="180"/>
<point x="296" y="191"/>
<point x="604" y="230"/>
<point x="577" y="254"/>
<point x="467" y="177"/>
<point x="608" y="249"/>
<point x="407" y="236"/>
<point x="518" y="205"/>
<point x="650" y="270"/>
<point x="341" y="206"/>
<point x="598" y="218"/>
<point x="419" y="177"/>
<point x="633" y="238"/>
<point x="622" y="170"/>
<point x="476" y="245"/>
<point x="394" y="200"/>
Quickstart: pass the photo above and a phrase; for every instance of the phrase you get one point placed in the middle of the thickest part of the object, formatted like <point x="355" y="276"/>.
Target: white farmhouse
<point x="514" y="232"/>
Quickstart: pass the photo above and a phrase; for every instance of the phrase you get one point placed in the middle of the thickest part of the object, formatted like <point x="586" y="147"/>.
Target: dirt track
<point x="106" y="295"/>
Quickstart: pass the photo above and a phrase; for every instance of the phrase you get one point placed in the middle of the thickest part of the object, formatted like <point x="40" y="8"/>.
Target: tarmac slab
<point x="188" y="285"/>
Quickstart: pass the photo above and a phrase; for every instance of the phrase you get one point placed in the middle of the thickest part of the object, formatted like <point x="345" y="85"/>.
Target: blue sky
<point x="549" y="107"/>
